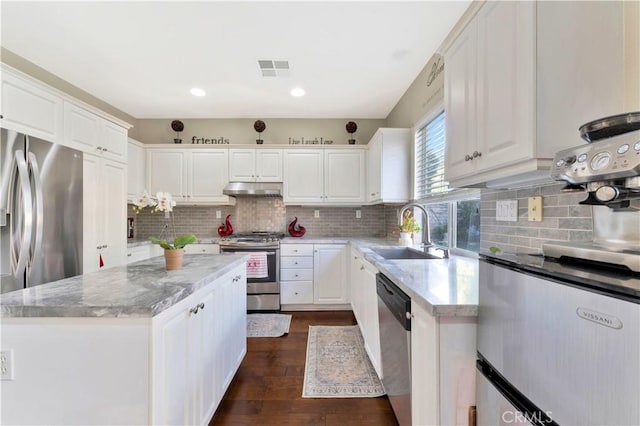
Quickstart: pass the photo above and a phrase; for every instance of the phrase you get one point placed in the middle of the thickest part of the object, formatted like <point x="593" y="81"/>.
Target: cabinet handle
<point x="295" y="263"/>
<point x="99" y="247"/>
<point x="197" y="308"/>
<point x="104" y="246"/>
<point x="296" y="275"/>
<point x="468" y="157"/>
<point x="355" y="257"/>
<point x="128" y="254"/>
<point x="99" y="148"/>
<point x="477" y="154"/>
<point x="362" y="268"/>
<point x="104" y="149"/>
<point x="373" y="193"/>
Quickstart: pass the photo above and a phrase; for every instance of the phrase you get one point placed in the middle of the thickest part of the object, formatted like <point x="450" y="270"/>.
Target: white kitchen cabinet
<point x="137" y="170"/>
<point x="364" y="302"/>
<point x="443" y="353"/>
<point x="191" y="176"/>
<point x="389" y="166"/>
<point x="330" y="284"/>
<point x="92" y="134"/>
<point x="104" y="213"/>
<point x="255" y="165"/>
<point x="519" y="81"/>
<point x="324" y="176"/>
<point x="198" y="346"/>
<point x="29" y="108"/>
<point x="296" y="274"/>
<point x="202" y="248"/>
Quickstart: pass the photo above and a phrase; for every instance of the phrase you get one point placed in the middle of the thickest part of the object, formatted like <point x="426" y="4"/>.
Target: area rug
<point x="338" y="366"/>
<point x="268" y="325"/>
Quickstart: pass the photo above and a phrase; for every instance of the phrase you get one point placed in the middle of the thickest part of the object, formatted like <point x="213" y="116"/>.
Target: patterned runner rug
<point x="268" y="325"/>
<point x="338" y="366"/>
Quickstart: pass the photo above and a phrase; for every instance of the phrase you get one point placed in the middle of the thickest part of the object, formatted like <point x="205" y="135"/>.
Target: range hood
<point x="256" y="189"/>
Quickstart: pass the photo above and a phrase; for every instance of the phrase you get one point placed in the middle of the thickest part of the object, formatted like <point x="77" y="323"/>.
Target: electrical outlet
<point x="507" y="210"/>
<point x="358" y="214"/>
<point x="534" y="209"/>
<point x="6" y="365"/>
<point x="316" y="213"/>
<point x="218" y="214"/>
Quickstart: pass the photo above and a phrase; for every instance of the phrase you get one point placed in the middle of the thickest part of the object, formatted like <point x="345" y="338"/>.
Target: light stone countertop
<point x="136" y="242"/>
<point x="140" y="289"/>
<point x="444" y="287"/>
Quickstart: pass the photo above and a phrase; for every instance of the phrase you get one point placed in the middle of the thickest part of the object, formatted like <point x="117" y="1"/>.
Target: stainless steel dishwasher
<point x="394" y="313"/>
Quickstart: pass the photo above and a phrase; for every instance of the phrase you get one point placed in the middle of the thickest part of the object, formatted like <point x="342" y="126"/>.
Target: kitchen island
<point x="128" y="345"/>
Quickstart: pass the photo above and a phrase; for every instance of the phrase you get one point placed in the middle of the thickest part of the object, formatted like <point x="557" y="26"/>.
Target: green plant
<point x="410" y="225"/>
<point x="179" y="242"/>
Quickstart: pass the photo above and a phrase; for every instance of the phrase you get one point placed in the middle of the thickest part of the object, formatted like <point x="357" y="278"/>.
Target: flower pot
<point x="173" y="259"/>
<point x="405" y="239"/>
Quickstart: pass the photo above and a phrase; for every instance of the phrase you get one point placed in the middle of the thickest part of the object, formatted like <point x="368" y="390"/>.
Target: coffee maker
<point x="608" y="169"/>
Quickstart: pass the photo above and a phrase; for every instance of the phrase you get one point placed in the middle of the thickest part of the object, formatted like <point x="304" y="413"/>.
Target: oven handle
<point x="268" y="253"/>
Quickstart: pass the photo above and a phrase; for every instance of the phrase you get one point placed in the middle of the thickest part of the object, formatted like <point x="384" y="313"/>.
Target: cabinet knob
<point x="99" y="247"/>
<point x="296" y="275"/>
<point x="295" y="263"/>
<point x="104" y="246"/>
<point x="128" y="254"/>
<point x="373" y="193"/>
<point x="477" y="154"/>
<point x="99" y="148"/>
<point x="362" y="268"/>
<point x="468" y="157"/>
<point x="409" y="315"/>
<point x="104" y="149"/>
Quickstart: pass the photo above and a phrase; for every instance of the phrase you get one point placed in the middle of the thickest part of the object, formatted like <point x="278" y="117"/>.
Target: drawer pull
<point x="197" y="308"/>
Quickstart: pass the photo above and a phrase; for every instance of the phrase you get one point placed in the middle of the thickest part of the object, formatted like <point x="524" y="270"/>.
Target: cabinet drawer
<point x="296" y="292"/>
<point x="296" y="250"/>
<point x="202" y="248"/>
<point x="135" y="254"/>
<point x="296" y="262"/>
<point x="296" y="274"/>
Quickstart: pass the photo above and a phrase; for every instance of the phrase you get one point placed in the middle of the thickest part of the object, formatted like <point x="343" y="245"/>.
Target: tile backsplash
<point x="563" y="219"/>
<point x="270" y="214"/>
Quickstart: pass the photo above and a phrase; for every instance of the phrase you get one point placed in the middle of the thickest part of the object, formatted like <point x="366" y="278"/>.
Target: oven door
<point x="263" y="289"/>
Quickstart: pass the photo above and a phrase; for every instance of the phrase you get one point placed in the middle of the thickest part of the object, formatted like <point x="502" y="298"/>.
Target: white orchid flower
<point x="165" y="202"/>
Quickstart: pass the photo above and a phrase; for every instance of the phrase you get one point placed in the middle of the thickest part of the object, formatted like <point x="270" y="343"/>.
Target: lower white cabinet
<point x="330" y="283"/>
<point x="296" y="274"/>
<point x="443" y="354"/>
<point x="364" y="303"/>
<point x="202" y="249"/>
<point x="104" y="213"/>
<point x="198" y="346"/>
<point x="173" y="368"/>
<point x="143" y="252"/>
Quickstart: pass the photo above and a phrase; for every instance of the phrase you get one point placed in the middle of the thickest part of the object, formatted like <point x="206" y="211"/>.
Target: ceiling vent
<point x="273" y="68"/>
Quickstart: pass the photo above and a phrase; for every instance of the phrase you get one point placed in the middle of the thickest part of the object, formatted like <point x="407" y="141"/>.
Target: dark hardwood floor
<point x="267" y="389"/>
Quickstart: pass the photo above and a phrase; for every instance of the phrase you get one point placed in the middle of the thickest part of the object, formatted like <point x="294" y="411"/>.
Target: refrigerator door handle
<point x="34" y="170"/>
<point x="20" y="218"/>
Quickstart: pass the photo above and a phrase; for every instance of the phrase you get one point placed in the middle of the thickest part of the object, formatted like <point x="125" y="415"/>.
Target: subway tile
<point x="573" y="223"/>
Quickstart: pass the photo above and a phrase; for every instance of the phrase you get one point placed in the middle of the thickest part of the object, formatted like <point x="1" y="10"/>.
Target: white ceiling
<point x="354" y="59"/>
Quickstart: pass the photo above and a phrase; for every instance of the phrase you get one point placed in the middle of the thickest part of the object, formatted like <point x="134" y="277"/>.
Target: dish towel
<point x="257" y="265"/>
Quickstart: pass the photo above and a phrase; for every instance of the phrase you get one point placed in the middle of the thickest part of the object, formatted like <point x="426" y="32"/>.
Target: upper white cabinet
<point x="255" y="165"/>
<point x="317" y="176"/>
<point x="519" y="81"/>
<point x="30" y="109"/>
<point x="191" y="176"/>
<point x="92" y="134"/>
<point x="389" y="178"/>
<point x="136" y="170"/>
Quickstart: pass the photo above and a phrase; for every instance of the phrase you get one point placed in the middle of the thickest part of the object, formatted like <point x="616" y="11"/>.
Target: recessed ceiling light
<point x="297" y="92"/>
<point x="198" y="92"/>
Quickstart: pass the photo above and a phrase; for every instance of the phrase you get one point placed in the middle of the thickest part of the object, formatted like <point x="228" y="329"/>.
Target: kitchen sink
<point x="395" y="253"/>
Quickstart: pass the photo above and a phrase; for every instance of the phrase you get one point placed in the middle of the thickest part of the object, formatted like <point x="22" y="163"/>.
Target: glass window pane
<point x="468" y="225"/>
<point x="439" y="223"/>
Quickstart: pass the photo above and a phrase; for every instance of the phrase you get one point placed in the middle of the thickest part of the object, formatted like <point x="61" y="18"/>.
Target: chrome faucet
<point x="426" y="241"/>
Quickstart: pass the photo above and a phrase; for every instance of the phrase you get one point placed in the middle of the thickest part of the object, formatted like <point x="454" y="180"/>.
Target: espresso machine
<point x="607" y="168"/>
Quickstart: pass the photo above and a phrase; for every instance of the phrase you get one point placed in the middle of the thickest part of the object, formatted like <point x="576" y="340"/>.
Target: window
<point x="454" y="214"/>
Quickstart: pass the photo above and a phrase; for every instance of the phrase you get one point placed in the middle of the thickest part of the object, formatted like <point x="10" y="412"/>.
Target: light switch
<point x="507" y="210"/>
<point x="316" y="213"/>
<point x="218" y="214"/>
<point x="358" y="214"/>
<point x="534" y="209"/>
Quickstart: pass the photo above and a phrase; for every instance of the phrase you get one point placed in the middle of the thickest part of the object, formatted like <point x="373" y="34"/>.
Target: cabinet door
<point x="30" y="109"/>
<point x="82" y="129"/>
<point x="242" y="165"/>
<point x="459" y="103"/>
<point x="371" y="332"/>
<point x="344" y="176"/>
<point x="114" y="205"/>
<point x="269" y="165"/>
<point x="114" y="141"/>
<point x="92" y="214"/>
<point x="330" y="274"/>
<point x="506" y="84"/>
<point x="136" y="171"/>
<point x="424" y="366"/>
<point x="166" y="172"/>
<point x="374" y="177"/>
<point x="303" y="176"/>
<point x="208" y="175"/>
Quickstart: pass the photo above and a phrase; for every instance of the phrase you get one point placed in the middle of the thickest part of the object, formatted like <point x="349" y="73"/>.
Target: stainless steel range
<point x="263" y="267"/>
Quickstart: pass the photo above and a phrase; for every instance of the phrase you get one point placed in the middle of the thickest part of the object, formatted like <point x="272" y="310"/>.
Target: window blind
<point x="429" y="167"/>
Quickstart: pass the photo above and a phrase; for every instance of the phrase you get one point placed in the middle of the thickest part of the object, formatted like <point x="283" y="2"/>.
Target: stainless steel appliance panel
<point x="573" y="353"/>
<point x="394" y="310"/>
<point x="493" y="409"/>
<point x="40" y="211"/>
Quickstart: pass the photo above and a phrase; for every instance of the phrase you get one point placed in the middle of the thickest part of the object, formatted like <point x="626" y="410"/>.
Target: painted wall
<point x="52" y="80"/>
<point x="424" y="94"/>
<point x="631" y="11"/>
<point x="240" y="131"/>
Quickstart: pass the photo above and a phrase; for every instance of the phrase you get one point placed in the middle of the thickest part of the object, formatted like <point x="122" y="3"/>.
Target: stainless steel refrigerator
<point x="40" y="211"/>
